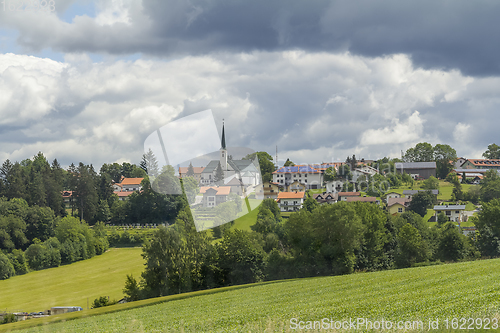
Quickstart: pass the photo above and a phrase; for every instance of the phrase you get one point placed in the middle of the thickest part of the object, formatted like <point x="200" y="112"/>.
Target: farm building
<point x="417" y="170"/>
<point x="55" y="310"/>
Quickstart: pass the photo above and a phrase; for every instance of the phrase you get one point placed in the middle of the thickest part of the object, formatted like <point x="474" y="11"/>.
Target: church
<point x="247" y="172"/>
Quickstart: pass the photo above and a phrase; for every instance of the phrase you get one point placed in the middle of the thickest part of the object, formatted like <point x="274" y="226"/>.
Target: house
<point x="417" y="170"/>
<point x="362" y="199"/>
<point x="183" y="172"/>
<point x="481" y="164"/>
<point x="117" y="187"/>
<point x="397" y="205"/>
<point x="410" y="193"/>
<point x="468" y="230"/>
<point x="334" y="186"/>
<point x="67" y="198"/>
<point x="296" y="186"/>
<point x="214" y="195"/>
<point x="237" y="186"/>
<point x="268" y="190"/>
<point x="131" y="184"/>
<point x="291" y="201"/>
<point x="392" y="195"/>
<point x="454" y="213"/>
<point x="246" y="170"/>
<point x="123" y="195"/>
<point x="325" y="198"/>
<point x="344" y="195"/>
<point x="304" y="174"/>
<point x="459" y="162"/>
<point x="367" y="170"/>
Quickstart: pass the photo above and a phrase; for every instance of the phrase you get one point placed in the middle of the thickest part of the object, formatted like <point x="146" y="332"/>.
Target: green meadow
<point x="468" y="289"/>
<point x="71" y="285"/>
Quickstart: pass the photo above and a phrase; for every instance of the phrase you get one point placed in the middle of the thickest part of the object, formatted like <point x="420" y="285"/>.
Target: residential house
<point x="334" y="186"/>
<point x="291" y="201"/>
<point x="392" y="195"/>
<point x="305" y="174"/>
<point x="459" y="162"/>
<point x="214" y="195"/>
<point x="410" y="193"/>
<point x="131" y="184"/>
<point x="326" y="198"/>
<point x="183" y="172"/>
<point x="296" y="186"/>
<point x="417" y="170"/>
<point x="344" y="195"/>
<point x="67" y="198"/>
<point x="454" y="213"/>
<point x="123" y="195"/>
<point x="397" y="205"/>
<point x="237" y="186"/>
<point x="268" y="190"/>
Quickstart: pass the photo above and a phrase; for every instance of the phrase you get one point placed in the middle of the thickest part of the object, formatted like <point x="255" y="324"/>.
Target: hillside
<point x="445" y="291"/>
<point x="70" y="285"/>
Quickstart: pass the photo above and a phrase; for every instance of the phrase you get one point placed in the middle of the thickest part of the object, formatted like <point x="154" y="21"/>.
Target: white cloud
<point x="408" y="131"/>
<point x="314" y="106"/>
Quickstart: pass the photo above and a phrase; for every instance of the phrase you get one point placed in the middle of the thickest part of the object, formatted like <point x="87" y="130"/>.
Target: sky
<point x="89" y="81"/>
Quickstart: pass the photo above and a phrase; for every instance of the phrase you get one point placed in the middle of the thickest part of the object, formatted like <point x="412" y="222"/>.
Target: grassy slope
<point x="70" y="285"/>
<point x="454" y="290"/>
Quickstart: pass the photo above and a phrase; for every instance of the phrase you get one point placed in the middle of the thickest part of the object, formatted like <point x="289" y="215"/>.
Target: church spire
<point x="223" y="142"/>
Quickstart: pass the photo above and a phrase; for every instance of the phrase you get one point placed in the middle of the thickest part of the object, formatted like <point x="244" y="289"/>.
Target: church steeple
<point x="223" y="142"/>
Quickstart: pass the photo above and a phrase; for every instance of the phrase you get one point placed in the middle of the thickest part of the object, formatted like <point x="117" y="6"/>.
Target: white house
<point x="305" y="174"/>
<point x="291" y="201"/>
<point x="454" y="213"/>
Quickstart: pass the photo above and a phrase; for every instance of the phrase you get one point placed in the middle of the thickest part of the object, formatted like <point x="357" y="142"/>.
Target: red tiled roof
<point x="291" y="195"/>
<point x="123" y="193"/>
<point x="184" y="170"/>
<point x="221" y="190"/>
<point x="131" y="181"/>
<point x="67" y="194"/>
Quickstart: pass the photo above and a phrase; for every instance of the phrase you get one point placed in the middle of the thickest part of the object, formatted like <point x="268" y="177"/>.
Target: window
<point x="210" y="198"/>
<point x="305" y="175"/>
<point x="457" y="212"/>
<point x="448" y="212"/>
<point x="400" y="210"/>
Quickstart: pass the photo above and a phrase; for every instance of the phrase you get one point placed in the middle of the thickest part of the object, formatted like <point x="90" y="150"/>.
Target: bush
<point x="10" y="318"/>
<point x="6" y="268"/>
<point x="101" y="301"/>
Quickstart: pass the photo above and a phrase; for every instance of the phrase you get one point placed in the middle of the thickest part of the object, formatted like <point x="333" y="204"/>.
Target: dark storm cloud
<point x="436" y="34"/>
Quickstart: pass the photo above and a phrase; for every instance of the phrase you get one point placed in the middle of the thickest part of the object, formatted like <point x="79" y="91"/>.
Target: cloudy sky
<point x="90" y="81"/>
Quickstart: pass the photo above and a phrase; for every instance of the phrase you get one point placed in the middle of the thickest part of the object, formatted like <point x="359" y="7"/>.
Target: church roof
<point x="223" y="141"/>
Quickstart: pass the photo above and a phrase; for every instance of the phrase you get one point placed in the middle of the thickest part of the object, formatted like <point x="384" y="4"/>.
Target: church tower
<point x="223" y="151"/>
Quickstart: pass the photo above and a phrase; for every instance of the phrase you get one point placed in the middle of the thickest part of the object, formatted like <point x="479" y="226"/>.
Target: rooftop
<point x="449" y="207"/>
<point x="131" y="181"/>
<point x="291" y="195"/>
<point x="416" y="165"/>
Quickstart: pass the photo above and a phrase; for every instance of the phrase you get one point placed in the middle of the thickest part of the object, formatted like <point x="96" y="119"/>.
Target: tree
<point x="190" y="172"/>
<point x="219" y="174"/>
<point x="6" y="268"/>
<point x="132" y="291"/>
<point x="288" y="163"/>
<point x="411" y="247"/>
<point x="442" y="219"/>
<point x="490" y="186"/>
<point x="493" y="152"/>
<point x="422" y="152"/>
<point x="100" y="302"/>
<point x="149" y="164"/>
<point x="421" y="201"/>
<point x="330" y="174"/>
<point x="265" y="163"/>
<point x="488" y="226"/>
<point x="444" y="156"/>
<point x="431" y="183"/>
<point x="452" y="244"/>
<point x="310" y="203"/>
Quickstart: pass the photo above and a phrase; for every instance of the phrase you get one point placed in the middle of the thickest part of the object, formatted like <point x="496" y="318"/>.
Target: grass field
<point x="444" y="291"/>
<point x="70" y="285"/>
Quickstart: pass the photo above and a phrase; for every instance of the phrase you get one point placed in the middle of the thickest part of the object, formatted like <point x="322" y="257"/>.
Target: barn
<point x="417" y="170"/>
